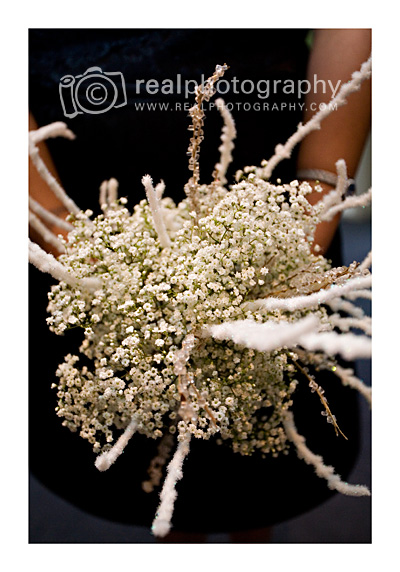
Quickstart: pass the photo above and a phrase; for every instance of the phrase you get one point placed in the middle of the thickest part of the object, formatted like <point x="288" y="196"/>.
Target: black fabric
<point x="127" y="143"/>
<point x="220" y="491"/>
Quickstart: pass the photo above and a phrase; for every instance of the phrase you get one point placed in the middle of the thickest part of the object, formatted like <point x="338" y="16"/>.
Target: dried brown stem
<point x="204" y="93"/>
<point x="319" y="392"/>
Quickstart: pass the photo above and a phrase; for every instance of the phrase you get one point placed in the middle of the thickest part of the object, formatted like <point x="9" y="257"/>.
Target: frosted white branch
<point x="52" y="130"/>
<point x="227" y="137"/>
<point x="338" y="304"/>
<point x="45" y="233"/>
<point x="335" y="196"/>
<point x="156" y="211"/>
<point x="160" y="188"/>
<point x="310" y="300"/>
<point x="112" y="190"/>
<point x="323" y="471"/>
<point x="366" y="263"/>
<point x="56" y="129"/>
<point x="347" y="377"/>
<point x="46" y="262"/>
<point x="49" y="216"/>
<point x="162" y="522"/>
<point x="341" y="184"/>
<point x="349" y="202"/>
<point x="367" y="294"/>
<point x="285" y="151"/>
<point x="103" y="195"/>
<point x="108" y="193"/>
<point x="105" y="460"/>
<point x="264" y="337"/>
<point x="350" y="346"/>
<point x="345" y="324"/>
<point x="329" y="200"/>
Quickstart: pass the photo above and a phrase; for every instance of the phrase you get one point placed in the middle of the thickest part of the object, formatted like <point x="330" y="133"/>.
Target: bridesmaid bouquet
<point x="200" y="318"/>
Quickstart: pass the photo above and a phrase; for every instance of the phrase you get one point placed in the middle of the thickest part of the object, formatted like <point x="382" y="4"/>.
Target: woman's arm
<point x="335" y="55"/>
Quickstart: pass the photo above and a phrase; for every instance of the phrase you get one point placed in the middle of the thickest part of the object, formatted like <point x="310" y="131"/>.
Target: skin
<point x="336" y="54"/>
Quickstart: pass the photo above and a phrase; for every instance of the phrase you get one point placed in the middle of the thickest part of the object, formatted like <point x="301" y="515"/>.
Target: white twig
<point x="347" y="377"/>
<point x="160" y="188"/>
<point x="156" y="211"/>
<point x="112" y="190"/>
<point x="350" y="346"/>
<point x="56" y="129"/>
<point x="341" y="184"/>
<point x="45" y="233"/>
<point x="227" y="137"/>
<point x="162" y="522"/>
<point x="366" y="263"/>
<point x="52" y="130"/>
<point x="338" y="304"/>
<point x="269" y="336"/>
<point x="349" y="202"/>
<point x="329" y="200"/>
<point x="105" y="460"/>
<point x="345" y="324"/>
<point x="367" y="294"/>
<point x="285" y="151"/>
<point x="49" y="216"/>
<point x="103" y="195"/>
<point x="315" y="299"/>
<point x="335" y="196"/>
<point x="108" y="193"/>
<point x="323" y="471"/>
<point x="46" y="262"/>
<point x="264" y="337"/>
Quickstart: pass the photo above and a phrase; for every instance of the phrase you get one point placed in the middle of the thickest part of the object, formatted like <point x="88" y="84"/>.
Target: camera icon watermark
<point x="92" y="92"/>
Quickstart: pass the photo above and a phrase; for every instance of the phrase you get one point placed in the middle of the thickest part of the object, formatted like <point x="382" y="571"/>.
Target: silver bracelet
<point x="326" y="177"/>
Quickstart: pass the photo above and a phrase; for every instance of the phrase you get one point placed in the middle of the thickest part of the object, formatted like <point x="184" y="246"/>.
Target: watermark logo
<point x="92" y="92"/>
<point x="96" y="92"/>
<point x="263" y="88"/>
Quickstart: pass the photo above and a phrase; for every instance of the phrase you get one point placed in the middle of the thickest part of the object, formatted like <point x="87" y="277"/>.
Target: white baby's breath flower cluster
<point x="248" y="246"/>
<point x="200" y="317"/>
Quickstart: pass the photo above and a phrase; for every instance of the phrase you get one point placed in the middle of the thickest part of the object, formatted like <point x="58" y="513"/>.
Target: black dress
<point x="220" y="491"/>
